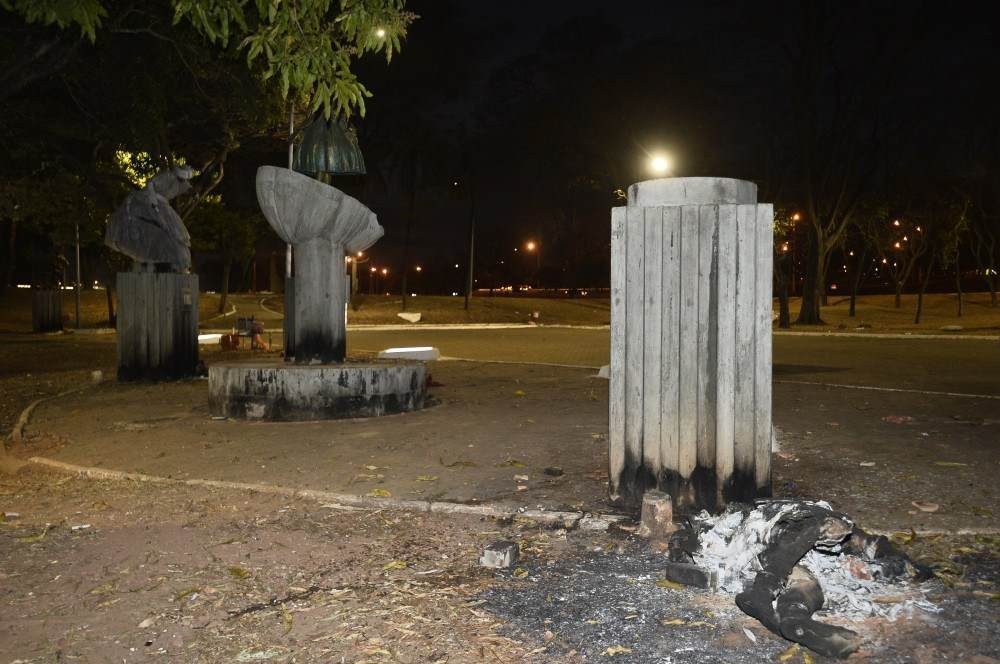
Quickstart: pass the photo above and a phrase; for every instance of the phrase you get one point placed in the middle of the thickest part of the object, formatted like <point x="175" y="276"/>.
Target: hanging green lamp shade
<point x="329" y="147"/>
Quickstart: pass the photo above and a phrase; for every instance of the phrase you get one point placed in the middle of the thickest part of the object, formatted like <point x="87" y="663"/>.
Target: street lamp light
<point x="419" y="269"/>
<point x="530" y="246"/>
<point x="659" y="164"/>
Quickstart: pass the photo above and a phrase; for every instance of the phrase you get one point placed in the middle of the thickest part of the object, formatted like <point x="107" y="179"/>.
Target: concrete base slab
<point x="273" y="390"/>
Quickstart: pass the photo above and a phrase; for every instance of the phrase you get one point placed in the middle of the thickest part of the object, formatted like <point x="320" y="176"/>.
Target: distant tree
<point x="942" y="220"/>
<point x="228" y="233"/>
<point x="898" y="243"/>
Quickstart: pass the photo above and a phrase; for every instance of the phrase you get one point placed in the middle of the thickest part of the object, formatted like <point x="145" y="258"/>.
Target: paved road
<point x="961" y="366"/>
<point x="945" y="365"/>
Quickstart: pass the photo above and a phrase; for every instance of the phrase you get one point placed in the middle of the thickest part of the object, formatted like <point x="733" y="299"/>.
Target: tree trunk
<point x="227" y="267"/>
<point x="898" y="285"/>
<point x="8" y="281"/>
<point x="109" y="293"/>
<point x="812" y="288"/>
<point x="784" y="318"/>
<point x="958" y="284"/>
<point x="469" y="279"/>
<point x="920" y="295"/>
<point x="859" y="272"/>
<point x="406" y="240"/>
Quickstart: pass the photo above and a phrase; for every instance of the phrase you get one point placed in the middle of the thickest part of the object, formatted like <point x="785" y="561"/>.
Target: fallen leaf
<point x="427" y="478"/>
<point x="38" y="537"/>
<point x="380" y="493"/>
<point x="669" y="585"/>
<point x="950" y="464"/>
<point x="673" y="621"/>
<point x="511" y="463"/>
<point x="104" y="589"/>
<point x="789" y="652"/>
<point x="867" y="464"/>
<point x="457" y="464"/>
<point x="147" y="622"/>
<point x="807" y="658"/>
<point x="750" y="635"/>
<point x="520" y="478"/>
<point x="520" y="393"/>
<point x="897" y="419"/>
<point x="611" y="651"/>
<point x="520" y="573"/>
<point x="700" y="623"/>
<point x="238" y="572"/>
<point x="184" y="594"/>
<point x="394" y="564"/>
<point x="925" y="506"/>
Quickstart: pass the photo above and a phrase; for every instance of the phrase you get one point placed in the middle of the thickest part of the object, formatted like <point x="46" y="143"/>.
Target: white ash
<point x="731" y="546"/>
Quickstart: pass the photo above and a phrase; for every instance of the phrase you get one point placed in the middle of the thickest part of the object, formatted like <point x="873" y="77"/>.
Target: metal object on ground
<point x="690" y="383"/>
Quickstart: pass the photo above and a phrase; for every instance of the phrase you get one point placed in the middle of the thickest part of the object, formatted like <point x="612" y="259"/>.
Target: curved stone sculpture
<point x="145" y="227"/>
<point x="323" y="224"/>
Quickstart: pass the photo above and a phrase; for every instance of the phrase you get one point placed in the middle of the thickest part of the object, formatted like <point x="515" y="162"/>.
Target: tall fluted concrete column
<point x="690" y="392"/>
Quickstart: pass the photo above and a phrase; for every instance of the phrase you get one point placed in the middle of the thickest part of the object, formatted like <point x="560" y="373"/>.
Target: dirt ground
<point x="121" y="572"/>
<point x="184" y="573"/>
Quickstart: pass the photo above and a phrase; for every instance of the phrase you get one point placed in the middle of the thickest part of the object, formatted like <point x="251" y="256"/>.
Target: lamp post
<point x="532" y="248"/>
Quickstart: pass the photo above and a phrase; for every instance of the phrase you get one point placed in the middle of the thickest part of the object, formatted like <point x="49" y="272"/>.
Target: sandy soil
<point x="102" y="572"/>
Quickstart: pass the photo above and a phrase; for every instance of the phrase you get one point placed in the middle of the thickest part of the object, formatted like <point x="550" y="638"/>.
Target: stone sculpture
<point x="323" y="224"/>
<point x="145" y="227"/>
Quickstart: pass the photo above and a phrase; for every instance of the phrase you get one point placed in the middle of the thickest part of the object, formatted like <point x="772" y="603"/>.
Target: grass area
<point x="877" y="313"/>
<point x="15" y="309"/>
<point x="441" y="309"/>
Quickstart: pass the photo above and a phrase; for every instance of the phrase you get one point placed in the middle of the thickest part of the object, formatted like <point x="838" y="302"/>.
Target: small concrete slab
<point x="422" y="353"/>
<point x="410" y="317"/>
<point x="500" y="555"/>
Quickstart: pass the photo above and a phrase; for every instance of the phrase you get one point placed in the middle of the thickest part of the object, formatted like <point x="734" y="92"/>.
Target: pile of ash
<point x="785" y="560"/>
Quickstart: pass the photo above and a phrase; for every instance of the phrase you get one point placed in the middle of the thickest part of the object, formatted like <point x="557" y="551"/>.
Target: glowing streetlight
<point x="659" y="164"/>
<point x="796" y="216"/>
<point x="385" y="271"/>
<point x="896" y="223"/>
<point x="530" y="245"/>
<point x="374" y="270"/>
<point x="380" y="33"/>
<point x="419" y="269"/>
<point x="360" y="254"/>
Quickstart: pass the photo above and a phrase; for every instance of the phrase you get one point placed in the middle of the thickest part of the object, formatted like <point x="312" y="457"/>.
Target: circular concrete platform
<point x="278" y="391"/>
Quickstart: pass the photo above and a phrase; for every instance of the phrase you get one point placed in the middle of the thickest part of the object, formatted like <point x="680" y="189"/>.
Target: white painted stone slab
<point x="409" y="317"/>
<point x="425" y="353"/>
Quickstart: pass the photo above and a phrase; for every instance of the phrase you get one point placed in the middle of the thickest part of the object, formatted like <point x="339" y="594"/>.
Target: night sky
<point x="555" y="105"/>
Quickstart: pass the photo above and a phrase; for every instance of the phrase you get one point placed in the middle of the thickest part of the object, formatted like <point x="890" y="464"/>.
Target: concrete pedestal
<point x="157" y="325"/>
<point x="273" y="390"/>
<point x="690" y="390"/>
<point x="46" y="310"/>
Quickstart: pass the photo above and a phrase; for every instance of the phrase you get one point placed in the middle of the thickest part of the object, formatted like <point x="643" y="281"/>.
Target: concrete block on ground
<point x="423" y="353"/>
<point x="500" y="555"/>
<point x="409" y="318"/>
<point x="657" y="520"/>
<point x="604" y="372"/>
